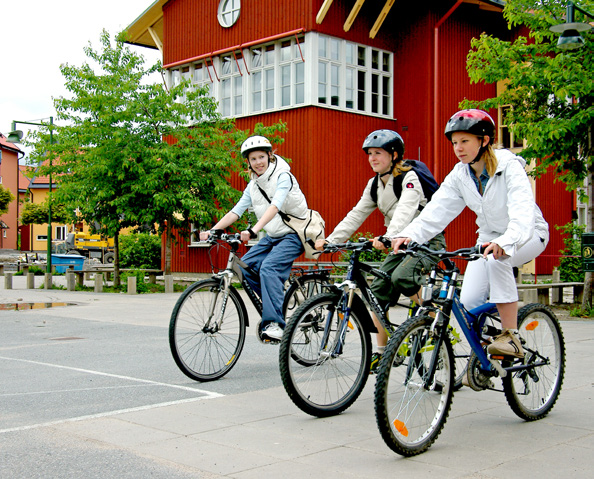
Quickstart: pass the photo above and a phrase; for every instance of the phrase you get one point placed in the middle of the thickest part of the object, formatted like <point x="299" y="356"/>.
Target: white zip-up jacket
<point x="506" y="214"/>
<point x="397" y="212"/>
<point x="294" y="204"/>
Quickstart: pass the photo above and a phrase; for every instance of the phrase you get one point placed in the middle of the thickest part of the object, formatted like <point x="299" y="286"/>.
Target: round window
<point x="228" y="12"/>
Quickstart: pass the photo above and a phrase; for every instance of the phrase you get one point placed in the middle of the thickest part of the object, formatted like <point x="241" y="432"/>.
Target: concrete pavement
<point x="262" y="434"/>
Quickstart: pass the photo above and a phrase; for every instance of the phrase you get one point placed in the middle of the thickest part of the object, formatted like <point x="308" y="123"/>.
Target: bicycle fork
<point x="213" y="324"/>
<point x="341" y="323"/>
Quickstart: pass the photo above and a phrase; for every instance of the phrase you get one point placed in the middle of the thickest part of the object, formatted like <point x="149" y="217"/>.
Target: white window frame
<point x="228" y="12"/>
<point x="504" y="133"/>
<point x="288" y="76"/>
<point x="61" y="232"/>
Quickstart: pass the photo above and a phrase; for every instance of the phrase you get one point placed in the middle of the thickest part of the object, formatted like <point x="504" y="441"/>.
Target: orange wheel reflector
<point x="532" y="325"/>
<point x="400" y="427"/>
<point x="350" y="325"/>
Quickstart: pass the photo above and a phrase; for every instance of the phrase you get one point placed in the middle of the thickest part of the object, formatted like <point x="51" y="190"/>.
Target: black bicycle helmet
<point x="387" y="139"/>
<point x="477" y="122"/>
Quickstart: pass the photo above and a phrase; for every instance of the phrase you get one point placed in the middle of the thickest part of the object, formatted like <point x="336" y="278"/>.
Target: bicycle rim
<point x="410" y="415"/>
<point x="203" y="351"/>
<point x="302" y="288"/>
<point x="321" y="378"/>
<point x="532" y="394"/>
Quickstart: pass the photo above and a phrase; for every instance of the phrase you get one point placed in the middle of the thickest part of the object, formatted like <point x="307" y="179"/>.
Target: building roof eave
<point x="147" y="29"/>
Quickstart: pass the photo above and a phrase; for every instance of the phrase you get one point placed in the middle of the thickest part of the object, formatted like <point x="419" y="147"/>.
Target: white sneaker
<point x="273" y="331"/>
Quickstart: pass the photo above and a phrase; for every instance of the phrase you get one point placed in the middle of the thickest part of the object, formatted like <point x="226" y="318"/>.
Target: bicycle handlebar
<point x="363" y="244"/>
<point x="234" y="238"/>
<point x="470" y="254"/>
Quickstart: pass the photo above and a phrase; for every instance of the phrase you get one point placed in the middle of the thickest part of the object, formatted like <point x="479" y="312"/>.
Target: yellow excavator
<point x="91" y="246"/>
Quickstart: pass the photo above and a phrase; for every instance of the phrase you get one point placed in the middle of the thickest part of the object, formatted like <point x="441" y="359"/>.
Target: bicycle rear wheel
<point x="532" y="393"/>
<point x="206" y="336"/>
<point x="303" y="287"/>
<point x="322" y="376"/>
<point x="410" y="414"/>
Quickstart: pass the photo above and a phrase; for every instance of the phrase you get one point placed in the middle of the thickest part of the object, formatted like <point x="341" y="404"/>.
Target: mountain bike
<point x="414" y="387"/>
<point x="208" y="324"/>
<point x="325" y="352"/>
<point x="322" y="374"/>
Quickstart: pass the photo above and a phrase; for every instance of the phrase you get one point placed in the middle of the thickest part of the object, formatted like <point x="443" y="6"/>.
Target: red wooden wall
<point x="325" y="145"/>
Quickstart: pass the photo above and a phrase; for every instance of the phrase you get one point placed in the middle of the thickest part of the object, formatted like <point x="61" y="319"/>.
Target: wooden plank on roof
<point x="380" y="19"/>
<point x="354" y="12"/>
<point x="323" y="11"/>
<point x="155" y="36"/>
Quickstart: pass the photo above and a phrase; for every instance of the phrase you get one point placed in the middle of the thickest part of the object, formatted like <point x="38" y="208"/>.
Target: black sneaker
<point x="375" y="359"/>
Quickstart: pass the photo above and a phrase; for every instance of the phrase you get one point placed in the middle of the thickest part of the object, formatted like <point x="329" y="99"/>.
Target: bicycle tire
<point x="202" y="354"/>
<point x="303" y="287"/>
<point x="532" y="396"/>
<point x="328" y="382"/>
<point x="409" y="416"/>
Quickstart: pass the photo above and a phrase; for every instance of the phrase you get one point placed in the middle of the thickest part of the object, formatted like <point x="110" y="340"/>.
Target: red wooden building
<point x="335" y="70"/>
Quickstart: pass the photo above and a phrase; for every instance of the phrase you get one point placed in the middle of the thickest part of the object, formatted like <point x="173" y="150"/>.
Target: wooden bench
<point x="542" y="291"/>
<point x="152" y="273"/>
<point x="329" y="266"/>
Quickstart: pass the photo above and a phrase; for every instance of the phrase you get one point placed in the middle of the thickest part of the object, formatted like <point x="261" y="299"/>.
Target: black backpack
<point x="426" y="178"/>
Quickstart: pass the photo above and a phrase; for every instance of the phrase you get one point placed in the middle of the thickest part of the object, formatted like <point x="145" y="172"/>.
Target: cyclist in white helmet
<point x="494" y="185"/>
<point x="272" y="189"/>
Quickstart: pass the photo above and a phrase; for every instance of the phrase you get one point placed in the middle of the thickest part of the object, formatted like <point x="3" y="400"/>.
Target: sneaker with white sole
<point x="273" y="331"/>
<point x="506" y="344"/>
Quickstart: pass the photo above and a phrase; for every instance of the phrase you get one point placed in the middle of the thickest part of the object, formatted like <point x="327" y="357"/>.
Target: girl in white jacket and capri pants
<point x="494" y="185"/>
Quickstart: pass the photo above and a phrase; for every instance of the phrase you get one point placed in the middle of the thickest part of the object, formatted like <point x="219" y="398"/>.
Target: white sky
<point x="38" y="35"/>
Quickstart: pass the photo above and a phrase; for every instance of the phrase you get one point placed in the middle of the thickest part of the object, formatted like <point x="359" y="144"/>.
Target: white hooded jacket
<point x="506" y="213"/>
<point x="294" y="204"/>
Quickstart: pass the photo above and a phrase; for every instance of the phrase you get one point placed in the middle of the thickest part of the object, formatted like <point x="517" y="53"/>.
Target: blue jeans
<point x="272" y="259"/>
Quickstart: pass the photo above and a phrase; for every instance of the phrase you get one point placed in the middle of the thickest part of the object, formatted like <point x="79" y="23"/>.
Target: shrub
<point x="570" y="265"/>
<point x="140" y="250"/>
<point x="372" y="256"/>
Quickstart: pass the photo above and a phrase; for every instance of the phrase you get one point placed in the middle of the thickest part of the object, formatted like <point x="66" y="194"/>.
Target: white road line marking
<point x="117" y="376"/>
<point x="106" y="414"/>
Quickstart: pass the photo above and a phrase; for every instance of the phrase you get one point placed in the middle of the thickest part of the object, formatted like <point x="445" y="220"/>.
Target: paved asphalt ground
<point x="89" y="390"/>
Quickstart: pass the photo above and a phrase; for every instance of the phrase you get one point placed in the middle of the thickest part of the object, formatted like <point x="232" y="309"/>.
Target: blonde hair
<point x="490" y="160"/>
<point x="400" y="168"/>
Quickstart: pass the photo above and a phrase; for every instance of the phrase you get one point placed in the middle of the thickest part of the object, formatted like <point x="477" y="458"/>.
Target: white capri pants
<point x="493" y="280"/>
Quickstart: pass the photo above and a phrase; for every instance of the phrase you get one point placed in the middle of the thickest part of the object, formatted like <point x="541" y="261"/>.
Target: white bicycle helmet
<point x="260" y="143"/>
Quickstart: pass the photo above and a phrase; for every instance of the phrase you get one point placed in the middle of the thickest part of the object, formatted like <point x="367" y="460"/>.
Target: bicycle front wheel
<point x="206" y="334"/>
<point x="324" y="361"/>
<point x="411" y="405"/>
<point x="532" y="393"/>
<point x="303" y="287"/>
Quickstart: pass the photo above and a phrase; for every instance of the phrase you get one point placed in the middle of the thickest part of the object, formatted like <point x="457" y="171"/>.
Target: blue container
<point x="62" y="261"/>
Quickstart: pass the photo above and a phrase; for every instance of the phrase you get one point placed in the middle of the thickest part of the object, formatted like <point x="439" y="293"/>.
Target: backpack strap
<point x="374" y="186"/>
<point x="282" y="214"/>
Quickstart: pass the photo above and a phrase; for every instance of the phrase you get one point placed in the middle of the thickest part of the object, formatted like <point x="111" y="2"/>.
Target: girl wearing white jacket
<point x="494" y="185"/>
<point x="272" y="189"/>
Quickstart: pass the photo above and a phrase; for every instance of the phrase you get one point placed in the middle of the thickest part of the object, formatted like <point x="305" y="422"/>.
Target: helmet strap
<point x="480" y="153"/>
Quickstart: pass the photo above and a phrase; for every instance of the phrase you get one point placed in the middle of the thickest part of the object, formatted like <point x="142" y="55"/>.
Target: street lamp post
<point x="15" y="136"/>
<point x="570" y="38"/>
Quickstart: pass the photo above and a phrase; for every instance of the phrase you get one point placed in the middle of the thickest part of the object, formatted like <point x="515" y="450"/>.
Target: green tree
<point x="550" y="92"/>
<point x="6" y="197"/>
<point x="37" y="213"/>
<point x="131" y="153"/>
